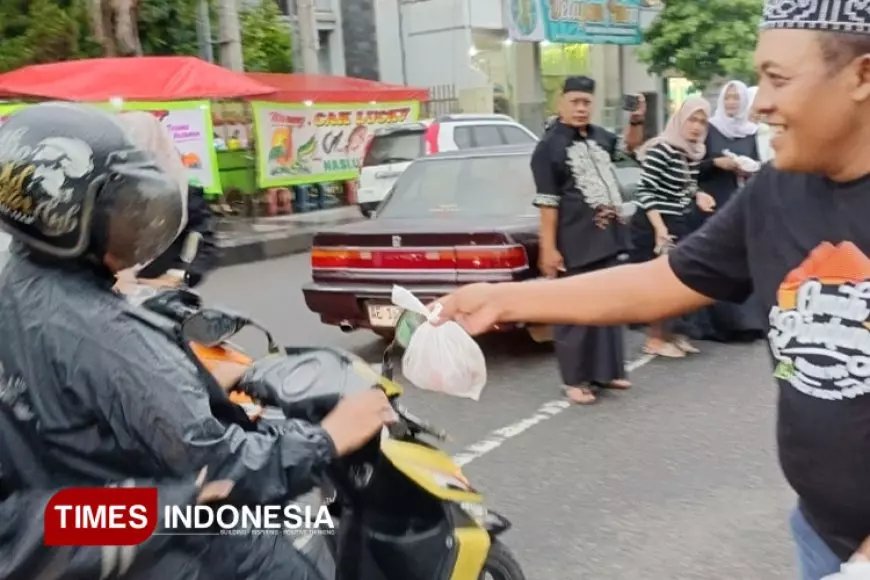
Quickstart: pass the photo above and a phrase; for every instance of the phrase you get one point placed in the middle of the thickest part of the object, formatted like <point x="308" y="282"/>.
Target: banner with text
<point x="576" y="21"/>
<point x="301" y="144"/>
<point x="190" y="124"/>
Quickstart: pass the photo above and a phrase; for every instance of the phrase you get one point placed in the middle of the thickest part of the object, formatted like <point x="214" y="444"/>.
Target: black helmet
<point x="73" y="185"/>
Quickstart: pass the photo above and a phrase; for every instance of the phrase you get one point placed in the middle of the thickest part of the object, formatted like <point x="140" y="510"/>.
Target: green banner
<point x="300" y="144"/>
<point x="189" y="123"/>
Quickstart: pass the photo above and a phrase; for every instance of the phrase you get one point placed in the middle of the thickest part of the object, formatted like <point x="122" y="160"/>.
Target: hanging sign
<point x="525" y="20"/>
<point x="576" y="21"/>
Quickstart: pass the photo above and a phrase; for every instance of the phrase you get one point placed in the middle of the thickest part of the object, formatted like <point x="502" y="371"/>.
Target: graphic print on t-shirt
<point x="819" y="330"/>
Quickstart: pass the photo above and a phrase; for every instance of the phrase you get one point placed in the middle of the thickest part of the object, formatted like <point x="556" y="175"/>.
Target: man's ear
<point x="861" y="78"/>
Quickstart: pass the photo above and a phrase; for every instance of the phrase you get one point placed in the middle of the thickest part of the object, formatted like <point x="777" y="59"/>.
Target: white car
<point x="392" y="149"/>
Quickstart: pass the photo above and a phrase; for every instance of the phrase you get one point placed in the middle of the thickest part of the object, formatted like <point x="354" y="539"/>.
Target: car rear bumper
<point x="346" y="304"/>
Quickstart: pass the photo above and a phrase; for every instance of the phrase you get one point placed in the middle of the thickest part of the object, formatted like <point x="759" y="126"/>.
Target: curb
<point x="259" y="250"/>
<point x="233" y="252"/>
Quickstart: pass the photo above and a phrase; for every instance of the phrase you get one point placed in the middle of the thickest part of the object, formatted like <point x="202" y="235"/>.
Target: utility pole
<point x="203" y="32"/>
<point x="308" y="37"/>
<point x="230" y="39"/>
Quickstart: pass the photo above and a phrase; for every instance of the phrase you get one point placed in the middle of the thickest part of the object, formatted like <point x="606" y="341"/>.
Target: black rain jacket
<point x="90" y="395"/>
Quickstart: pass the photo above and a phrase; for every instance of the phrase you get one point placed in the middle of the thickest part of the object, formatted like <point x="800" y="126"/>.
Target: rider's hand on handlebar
<point x="228" y="374"/>
<point x="212" y="491"/>
<point x="165" y="281"/>
<point x="358" y="418"/>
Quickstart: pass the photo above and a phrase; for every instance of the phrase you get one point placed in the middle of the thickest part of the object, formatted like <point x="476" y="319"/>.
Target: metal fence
<point x="443" y="100"/>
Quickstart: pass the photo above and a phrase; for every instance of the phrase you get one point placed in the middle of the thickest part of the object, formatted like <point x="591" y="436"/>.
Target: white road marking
<point x="498" y="437"/>
<point x="546" y="411"/>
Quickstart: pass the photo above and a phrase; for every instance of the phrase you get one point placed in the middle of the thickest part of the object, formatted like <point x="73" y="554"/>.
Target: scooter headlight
<point x="475" y="511"/>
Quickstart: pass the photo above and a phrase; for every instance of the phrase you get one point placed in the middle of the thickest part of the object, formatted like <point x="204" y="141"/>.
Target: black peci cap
<point x="581" y="84"/>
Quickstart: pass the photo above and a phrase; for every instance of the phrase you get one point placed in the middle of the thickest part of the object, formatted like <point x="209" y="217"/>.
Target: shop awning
<point x="298" y="88"/>
<point x="149" y="78"/>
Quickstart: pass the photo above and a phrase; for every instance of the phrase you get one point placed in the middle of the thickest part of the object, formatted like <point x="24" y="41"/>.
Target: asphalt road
<point x="675" y="479"/>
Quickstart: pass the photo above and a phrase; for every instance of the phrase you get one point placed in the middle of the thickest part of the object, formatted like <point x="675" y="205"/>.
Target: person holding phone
<point x="583" y="227"/>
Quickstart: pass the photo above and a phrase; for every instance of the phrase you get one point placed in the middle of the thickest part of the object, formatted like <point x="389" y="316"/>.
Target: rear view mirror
<point x="210" y="327"/>
<point x="406" y="326"/>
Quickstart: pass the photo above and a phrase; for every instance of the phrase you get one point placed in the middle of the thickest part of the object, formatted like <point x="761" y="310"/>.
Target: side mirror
<point x="406" y="326"/>
<point x="210" y="327"/>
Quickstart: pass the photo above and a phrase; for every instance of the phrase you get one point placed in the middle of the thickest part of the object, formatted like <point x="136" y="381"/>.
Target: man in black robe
<point x="583" y="227"/>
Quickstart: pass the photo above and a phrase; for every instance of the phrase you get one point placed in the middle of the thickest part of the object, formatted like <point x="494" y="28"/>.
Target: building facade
<point x="473" y="47"/>
<point x="330" y="34"/>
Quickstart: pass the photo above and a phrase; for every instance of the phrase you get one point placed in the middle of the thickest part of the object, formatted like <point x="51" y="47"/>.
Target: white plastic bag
<point x="851" y="571"/>
<point x="441" y="358"/>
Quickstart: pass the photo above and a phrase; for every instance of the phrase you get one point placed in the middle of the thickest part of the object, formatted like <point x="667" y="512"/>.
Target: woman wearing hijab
<point x="731" y="132"/>
<point x="667" y="192"/>
<point x="192" y="255"/>
<point x="763" y="136"/>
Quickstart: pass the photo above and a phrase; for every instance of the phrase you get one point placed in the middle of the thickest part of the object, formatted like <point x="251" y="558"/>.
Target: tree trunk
<point x="103" y="26"/>
<point x="126" y="31"/>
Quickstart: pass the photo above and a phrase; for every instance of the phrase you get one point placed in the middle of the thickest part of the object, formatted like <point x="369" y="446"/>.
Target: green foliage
<point x="40" y="31"/>
<point x="557" y="62"/>
<point x="266" y="44"/>
<point x="704" y="39"/>
<point x="168" y="27"/>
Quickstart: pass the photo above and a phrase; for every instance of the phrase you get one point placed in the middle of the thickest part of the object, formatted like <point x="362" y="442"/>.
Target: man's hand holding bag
<point x="442" y="358"/>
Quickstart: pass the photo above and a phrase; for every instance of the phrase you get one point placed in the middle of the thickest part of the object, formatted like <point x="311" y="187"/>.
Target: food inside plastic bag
<point x="441" y="358"/>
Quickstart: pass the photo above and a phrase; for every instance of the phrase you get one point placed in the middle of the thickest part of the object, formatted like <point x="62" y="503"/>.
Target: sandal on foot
<point x="665" y="349"/>
<point x="682" y="343"/>
<point x="579" y="395"/>
<point x="618" y="384"/>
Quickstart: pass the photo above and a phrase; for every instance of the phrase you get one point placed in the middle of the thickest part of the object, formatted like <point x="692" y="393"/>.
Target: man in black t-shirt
<point x="798" y="236"/>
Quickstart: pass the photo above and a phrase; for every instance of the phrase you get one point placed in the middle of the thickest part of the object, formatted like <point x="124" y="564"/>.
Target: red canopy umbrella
<point x="148" y="78"/>
<point x="292" y="88"/>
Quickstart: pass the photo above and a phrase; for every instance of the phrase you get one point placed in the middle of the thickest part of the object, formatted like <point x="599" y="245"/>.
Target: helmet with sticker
<point x="75" y="185"/>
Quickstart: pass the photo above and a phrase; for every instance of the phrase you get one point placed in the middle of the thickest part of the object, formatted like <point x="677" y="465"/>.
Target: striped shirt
<point x="669" y="181"/>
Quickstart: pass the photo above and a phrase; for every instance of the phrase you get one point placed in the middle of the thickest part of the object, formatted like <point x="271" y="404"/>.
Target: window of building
<point x="324" y="56"/>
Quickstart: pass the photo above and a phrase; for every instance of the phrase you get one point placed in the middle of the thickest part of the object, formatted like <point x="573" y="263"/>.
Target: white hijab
<point x="762" y="137"/>
<point x="738" y="126"/>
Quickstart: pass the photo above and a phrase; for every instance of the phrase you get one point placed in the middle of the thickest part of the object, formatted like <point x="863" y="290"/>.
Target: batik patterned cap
<point x="826" y="15"/>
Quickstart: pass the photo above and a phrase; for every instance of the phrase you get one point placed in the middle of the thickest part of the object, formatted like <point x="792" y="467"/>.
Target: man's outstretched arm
<point x="621" y="295"/>
<point x="710" y="265"/>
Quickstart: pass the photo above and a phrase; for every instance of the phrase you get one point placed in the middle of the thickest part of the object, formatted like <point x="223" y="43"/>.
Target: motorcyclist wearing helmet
<point x="174" y="266"/>
<point x="99" y="396"/>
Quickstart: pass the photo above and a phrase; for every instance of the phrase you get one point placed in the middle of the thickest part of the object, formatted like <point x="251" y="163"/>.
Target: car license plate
<point x="384" y="315"/>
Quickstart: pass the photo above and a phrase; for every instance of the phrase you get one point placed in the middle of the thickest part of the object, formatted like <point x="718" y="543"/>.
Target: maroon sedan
<point x="450" y="219"/>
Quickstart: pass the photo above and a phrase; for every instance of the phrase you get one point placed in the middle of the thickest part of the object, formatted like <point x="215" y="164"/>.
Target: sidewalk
<point x="243" y="240"/>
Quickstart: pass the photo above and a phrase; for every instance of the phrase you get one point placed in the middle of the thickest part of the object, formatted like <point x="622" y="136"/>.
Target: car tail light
<point x="430" y="138"/>
<point x="459" y="258"/>
<point x="491" y="257"/>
